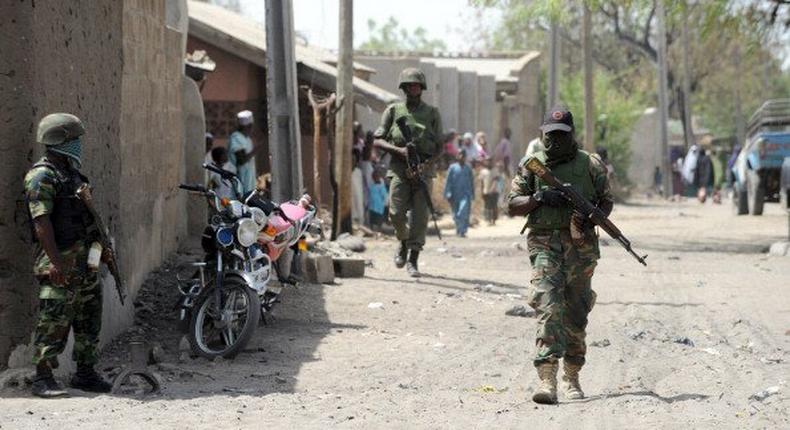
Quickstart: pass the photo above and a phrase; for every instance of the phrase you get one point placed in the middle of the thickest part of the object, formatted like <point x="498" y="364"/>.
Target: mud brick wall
<point x="116" y="66"/>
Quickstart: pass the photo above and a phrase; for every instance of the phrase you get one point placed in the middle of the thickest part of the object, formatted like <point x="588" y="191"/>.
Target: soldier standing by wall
<point x="70" y="294"/>
<point x="406" y="197"/>
<point x="562" y="263"/>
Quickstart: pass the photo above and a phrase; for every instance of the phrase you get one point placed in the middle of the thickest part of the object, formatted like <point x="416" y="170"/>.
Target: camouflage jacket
<point x="40" y="191"/>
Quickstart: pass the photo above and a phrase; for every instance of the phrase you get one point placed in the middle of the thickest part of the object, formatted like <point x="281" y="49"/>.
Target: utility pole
<point x="663" y="105"/>
<point x="689" y="127"/>
<point x="283" y="103"/>
<point x="341" y="223"/>
<point x="554" y="64"/>
<point x="740" y="122"/>
<point x="589" y="98"/>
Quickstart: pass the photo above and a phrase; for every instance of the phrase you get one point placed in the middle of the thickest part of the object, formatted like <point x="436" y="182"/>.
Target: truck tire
<point x="740" y="199"/>
<point x="756" y="193"/>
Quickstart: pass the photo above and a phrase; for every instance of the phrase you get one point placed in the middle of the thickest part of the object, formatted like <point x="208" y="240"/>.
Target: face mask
<point x="74" y="163"/>
<point x="559" y="145"/>
<point x="72" y="150"/>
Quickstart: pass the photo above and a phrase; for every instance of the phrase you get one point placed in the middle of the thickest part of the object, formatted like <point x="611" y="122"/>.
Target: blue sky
<point x="318" y="19"/>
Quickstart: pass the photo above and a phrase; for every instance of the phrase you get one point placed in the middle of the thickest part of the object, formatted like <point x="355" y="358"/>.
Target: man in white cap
<point x="241" y="152"/>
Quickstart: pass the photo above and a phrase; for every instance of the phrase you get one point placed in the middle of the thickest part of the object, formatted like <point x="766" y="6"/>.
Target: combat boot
<point x="570" y="378"/>
<point x="400" y="256"/>
<point x="546" y="393"/>
<point x="47" y="388"/>
<point x="87" y="379"/>
<point x="411" y="266"/>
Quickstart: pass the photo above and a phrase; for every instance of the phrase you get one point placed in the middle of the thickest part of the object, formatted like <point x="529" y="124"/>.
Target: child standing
<point x="378" y="201"/>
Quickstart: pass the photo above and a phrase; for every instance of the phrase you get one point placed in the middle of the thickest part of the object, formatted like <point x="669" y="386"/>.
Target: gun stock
<point x="584" y="207"/>
<point x="84" y="194"/>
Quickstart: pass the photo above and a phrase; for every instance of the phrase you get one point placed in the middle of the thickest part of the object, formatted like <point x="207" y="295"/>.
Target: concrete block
<point x="349" y="267"/>
<point x="780" y="249"/>
<point x="318" y="269"/>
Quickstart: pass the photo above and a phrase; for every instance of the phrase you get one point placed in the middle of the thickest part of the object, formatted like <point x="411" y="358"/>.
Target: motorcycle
<point x="224" y="300"/>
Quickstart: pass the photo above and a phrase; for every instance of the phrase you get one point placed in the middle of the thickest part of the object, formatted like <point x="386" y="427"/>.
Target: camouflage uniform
<point x="77" y="304"/>
<point x="560" y="287"/>
<point x="425" y="124"/>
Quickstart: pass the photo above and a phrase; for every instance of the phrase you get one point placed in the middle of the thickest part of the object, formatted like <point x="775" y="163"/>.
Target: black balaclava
<point x="560" y="147"/>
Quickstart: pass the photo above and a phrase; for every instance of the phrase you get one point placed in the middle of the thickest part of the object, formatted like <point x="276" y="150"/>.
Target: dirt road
<point x="683" y="343"/>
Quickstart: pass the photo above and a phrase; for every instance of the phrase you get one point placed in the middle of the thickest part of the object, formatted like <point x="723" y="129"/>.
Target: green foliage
<point x="392" y="37"/>
<point x="616" y="111"/>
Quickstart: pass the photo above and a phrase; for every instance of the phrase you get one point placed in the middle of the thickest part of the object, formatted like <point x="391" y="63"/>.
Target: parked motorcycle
<point x="223" y="301"/>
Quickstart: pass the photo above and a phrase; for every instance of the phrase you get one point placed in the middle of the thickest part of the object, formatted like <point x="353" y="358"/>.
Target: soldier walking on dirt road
<point x="563" y="252"/>
<point x="409" y="204"/>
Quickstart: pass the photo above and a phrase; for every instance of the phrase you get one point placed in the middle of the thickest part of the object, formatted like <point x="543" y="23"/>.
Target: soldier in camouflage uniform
<point x="563" y="251"/>
<point x="70" y="294"/>
<point x="408" y="205"/>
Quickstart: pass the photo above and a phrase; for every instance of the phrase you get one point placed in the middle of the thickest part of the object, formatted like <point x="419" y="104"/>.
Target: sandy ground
<point x="683" y="343"/>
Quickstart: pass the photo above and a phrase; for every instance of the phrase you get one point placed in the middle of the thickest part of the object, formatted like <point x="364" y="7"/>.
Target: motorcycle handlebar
<point x="196" y="188"/>
<point x="222" y="172"/>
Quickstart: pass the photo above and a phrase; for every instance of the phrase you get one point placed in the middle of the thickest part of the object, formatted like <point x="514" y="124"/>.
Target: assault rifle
<point x="84" y="193"/>
<point x="414" y="169"/>
<point x="583" y="206"/>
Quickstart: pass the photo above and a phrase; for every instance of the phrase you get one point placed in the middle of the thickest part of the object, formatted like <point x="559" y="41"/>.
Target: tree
<point x="392" y="37"/>
<point x="624" y="44"/>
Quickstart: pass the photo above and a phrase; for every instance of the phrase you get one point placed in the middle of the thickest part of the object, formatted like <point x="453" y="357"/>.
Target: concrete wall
<point x="467" y="102"/>
<point x="387" y="70"/>
<point x="644" y="157"/>
<point x="121" y="76"/>
<point x="486" y="99"/>
<point x="449" y="88"/>
<point x="431" y="94"/>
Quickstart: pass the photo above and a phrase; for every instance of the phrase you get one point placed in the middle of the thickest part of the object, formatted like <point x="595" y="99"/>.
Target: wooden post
<point x="318" y="107"/>
<point x="663" y="104"/>
<point x="343" y="128"/>
<point x="283" y="102"/>
<point x="688" y="128"/>
<point x="554" y="64"/>
<point x="589" y="100"/>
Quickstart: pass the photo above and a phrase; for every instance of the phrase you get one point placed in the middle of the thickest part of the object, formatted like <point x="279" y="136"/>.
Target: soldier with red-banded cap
<point x="562" y="263"/>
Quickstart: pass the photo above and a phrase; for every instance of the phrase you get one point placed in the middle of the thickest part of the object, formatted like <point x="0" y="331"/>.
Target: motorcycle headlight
<point x="247" y="232"/>
<point x="259" y="216"/>
<point x="236" y="208"/>
<point x="225" y="236"/>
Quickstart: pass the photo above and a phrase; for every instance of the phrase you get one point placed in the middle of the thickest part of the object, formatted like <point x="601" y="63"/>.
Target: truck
<point x="757" y="169"/>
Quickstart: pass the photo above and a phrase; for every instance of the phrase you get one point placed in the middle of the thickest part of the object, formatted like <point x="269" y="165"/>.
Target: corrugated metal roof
<point x="246" y="38"/>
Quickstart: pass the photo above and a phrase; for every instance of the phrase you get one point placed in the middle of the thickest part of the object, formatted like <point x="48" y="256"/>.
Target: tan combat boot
<point x="547" y="391"/>
<point x="570" y="379"/>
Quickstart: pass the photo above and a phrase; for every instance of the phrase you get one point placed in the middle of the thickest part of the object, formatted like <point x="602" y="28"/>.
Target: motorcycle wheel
<point x="225" y="335"/>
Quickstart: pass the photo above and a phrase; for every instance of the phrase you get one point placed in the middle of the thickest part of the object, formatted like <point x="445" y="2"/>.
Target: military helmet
<point x="57" y="128"/>
<point x="412" y="75"/>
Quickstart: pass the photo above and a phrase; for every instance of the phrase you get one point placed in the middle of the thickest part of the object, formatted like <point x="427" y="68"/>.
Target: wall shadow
<point x="270" y="363"/>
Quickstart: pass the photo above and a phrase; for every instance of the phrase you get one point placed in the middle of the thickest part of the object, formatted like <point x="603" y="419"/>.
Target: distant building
<point x="237" y="44"/>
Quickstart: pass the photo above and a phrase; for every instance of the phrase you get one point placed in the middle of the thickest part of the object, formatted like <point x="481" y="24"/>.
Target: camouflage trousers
<point x="409" y="212"/>
<point x="560" y="292"/>
<point x="77" y="305"/>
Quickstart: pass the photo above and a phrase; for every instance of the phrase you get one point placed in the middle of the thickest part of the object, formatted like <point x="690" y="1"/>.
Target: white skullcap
<point x="468" y="135"/>
<point x="244" y="117"/>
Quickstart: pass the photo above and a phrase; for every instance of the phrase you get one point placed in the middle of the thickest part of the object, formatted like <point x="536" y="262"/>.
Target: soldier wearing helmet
<point x="425" y="124"/>
<point x="70" y="294"/>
